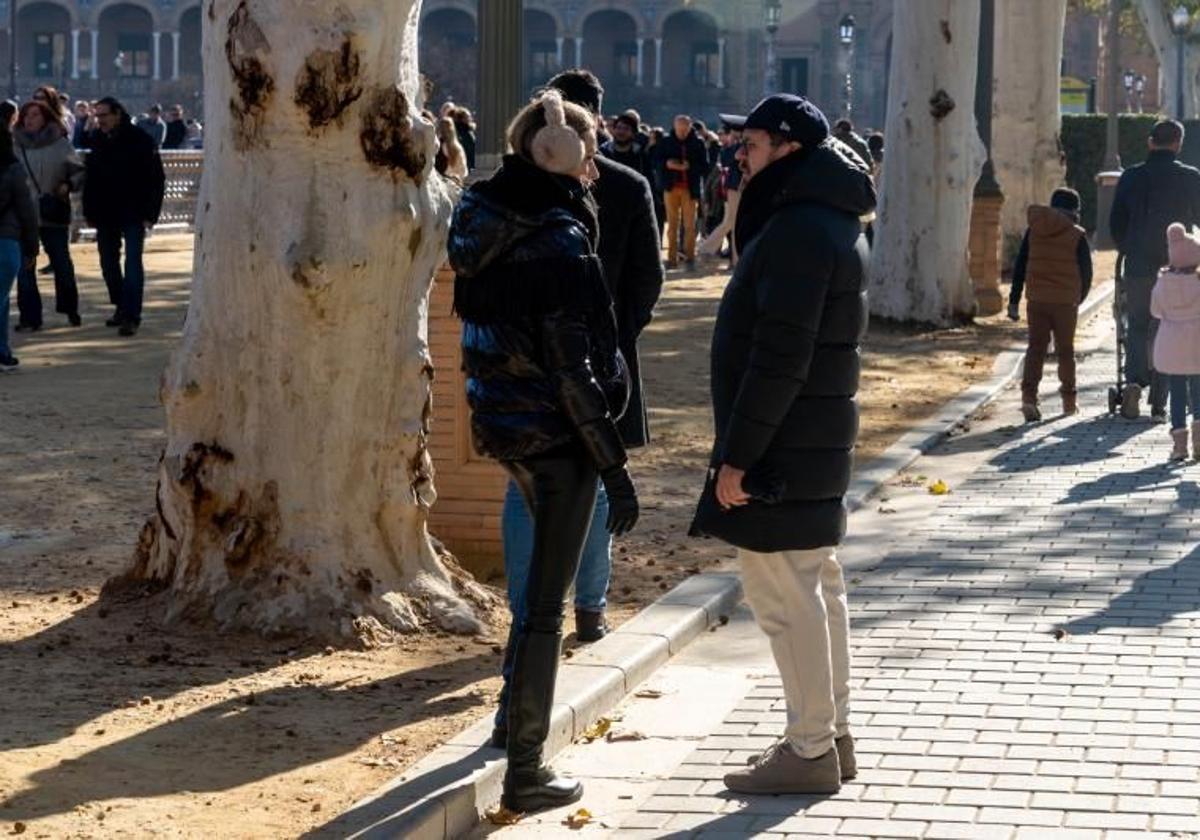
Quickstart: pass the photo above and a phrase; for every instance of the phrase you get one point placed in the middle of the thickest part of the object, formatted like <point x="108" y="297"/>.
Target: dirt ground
<point x="112" y="725"/>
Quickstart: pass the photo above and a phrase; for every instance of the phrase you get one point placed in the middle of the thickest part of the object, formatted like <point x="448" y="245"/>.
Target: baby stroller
<point x="1116" y="394"/>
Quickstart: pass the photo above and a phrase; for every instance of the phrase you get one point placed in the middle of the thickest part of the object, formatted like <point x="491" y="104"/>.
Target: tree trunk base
<point x="226" y="560"/>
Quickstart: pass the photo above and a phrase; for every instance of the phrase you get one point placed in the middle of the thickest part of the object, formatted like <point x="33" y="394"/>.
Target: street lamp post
<point x="988" y="202"/>
<point x="773" y="10"/>
<point x="846" y="37"/>
<point x="1181" y="22"/>
<point x="1139" y="86"/>
<point x="1106" y="181"/>
<point x="1129" y="80"/>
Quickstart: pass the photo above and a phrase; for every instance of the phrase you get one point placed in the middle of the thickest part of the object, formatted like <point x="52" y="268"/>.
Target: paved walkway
<point x="1026" y="660"/>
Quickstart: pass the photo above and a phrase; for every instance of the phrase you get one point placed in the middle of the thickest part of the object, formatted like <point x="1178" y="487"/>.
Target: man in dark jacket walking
<point x="785" y="371"/>
<point x="682" y="160"/>
<point x="122" y="199"/>
<point x="1149" y="197"/>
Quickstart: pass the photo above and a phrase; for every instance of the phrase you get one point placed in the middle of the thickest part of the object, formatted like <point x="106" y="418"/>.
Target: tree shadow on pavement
<point x="1085" y="442"/>
<point x="1153" y="600"/>
<point x="276" y="725"/>
<point x="1151" y="477"/>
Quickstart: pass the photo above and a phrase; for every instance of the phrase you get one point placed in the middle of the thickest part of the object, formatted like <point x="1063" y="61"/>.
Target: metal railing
<point x="184" y="169"/>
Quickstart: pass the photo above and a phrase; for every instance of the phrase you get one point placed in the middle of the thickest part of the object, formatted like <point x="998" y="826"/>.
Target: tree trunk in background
<point x="1156" y="19"/>
<point x="934" y="154"/>
<point x="293" y="492"/>
<point x="1026" y="148"/>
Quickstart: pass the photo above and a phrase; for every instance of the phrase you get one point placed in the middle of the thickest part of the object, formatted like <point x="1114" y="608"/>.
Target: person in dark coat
<point x="122" y="199"/>
<point x="632" y="259"/>
<point x="18" y="235"/>
<point x="626" y="147"/>
<point x="844" y="131"/>
<point x="1149" y="197"/>
<point x="545" y="383"/>
<point x="176" y="136"/>
<point x="785" y="371"/>
<point x="682" y="160"/>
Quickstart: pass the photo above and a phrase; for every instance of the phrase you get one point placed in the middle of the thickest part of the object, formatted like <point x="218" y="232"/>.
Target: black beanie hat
<point x="1065" y="199"/>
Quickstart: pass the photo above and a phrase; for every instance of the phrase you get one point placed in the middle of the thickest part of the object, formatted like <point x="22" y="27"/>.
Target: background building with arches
<point x="665" y="57"/>
<point x="138" y="50"/>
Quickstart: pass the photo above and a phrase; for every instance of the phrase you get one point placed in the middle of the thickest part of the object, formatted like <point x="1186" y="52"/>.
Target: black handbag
<point x="52" y="209"/>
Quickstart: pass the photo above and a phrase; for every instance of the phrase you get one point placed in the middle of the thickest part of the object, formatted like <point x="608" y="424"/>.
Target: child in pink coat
<point x="1175" y="302"/>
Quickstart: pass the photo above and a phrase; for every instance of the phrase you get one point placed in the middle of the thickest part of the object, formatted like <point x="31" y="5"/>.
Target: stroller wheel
<point x="1114" y="400"/>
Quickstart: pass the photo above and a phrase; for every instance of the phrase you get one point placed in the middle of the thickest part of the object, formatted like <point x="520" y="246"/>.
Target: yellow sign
<point x="1073" y="95"/>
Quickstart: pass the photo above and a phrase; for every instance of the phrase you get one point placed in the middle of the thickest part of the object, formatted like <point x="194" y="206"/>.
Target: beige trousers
<point x="681" y="209"/>
<point x="799" y="601"/>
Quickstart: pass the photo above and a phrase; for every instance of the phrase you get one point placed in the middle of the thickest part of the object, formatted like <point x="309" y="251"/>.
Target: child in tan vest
<point x="1054" y="269"/>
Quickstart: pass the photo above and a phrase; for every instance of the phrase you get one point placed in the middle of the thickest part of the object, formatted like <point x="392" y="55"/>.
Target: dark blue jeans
<point x="10" y="264"/>
<point x="57" y="242"/>
<point x="1185" y="397"/>
<point x="124" y="287"/>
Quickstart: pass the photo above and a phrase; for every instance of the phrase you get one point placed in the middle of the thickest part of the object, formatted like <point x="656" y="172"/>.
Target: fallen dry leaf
<point x="597" y="730"/>
<point x="939" y="488"/>
<point x="649" y="693"/>
<point x="502" y="816"/>
<point x="578" y="819"/>
<point x="628" y="735"/>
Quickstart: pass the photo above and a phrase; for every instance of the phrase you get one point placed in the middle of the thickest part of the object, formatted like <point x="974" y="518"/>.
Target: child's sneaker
<point x="8" y="362"/>
<point x="1031" y="411"/>
<point x="1179" y="450"/>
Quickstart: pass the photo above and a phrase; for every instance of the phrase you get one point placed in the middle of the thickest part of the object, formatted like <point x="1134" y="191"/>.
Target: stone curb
<point x="912" y="445"/>
<point x="445" y="795"/>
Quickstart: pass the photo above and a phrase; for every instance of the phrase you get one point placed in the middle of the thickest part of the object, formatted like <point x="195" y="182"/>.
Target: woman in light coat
<point x="53" y="168"/>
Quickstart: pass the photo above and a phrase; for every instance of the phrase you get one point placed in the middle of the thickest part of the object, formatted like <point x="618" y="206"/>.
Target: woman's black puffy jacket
<point x="539" y="336"/>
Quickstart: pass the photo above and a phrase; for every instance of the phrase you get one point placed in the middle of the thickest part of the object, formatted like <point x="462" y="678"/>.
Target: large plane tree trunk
<point x="293" y="491"/>
<point x="1026" y="146"/>
<point x="934" y="154"/>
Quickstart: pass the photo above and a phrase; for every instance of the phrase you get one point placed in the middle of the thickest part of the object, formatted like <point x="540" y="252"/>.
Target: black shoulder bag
<point x="52" y="209"/>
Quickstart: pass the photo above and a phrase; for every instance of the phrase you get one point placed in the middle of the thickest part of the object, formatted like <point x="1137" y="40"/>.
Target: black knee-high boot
<point x="528" y="784"/>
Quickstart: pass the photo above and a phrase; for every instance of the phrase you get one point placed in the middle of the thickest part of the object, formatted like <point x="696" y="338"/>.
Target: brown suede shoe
<point x="1070" y="403"/>
<point x="845" y="751"/>
<point x="782" y="770"/>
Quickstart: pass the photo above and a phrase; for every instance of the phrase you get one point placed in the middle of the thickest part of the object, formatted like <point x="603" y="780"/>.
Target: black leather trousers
<point x="560" y="490"/>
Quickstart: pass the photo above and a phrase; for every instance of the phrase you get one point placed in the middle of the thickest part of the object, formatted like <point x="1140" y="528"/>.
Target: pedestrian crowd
<point x="121" y="182"/>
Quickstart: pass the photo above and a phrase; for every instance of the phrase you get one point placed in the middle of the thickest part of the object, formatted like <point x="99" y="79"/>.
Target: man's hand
<point x="729" y="487"/>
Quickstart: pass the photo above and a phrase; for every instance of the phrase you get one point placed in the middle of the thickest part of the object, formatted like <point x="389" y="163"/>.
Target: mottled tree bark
<point x="934" y="154"/>
<point x="293" y="491"/>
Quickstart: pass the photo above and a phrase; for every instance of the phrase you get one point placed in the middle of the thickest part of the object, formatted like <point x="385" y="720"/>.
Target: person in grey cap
<point x="784" y="374"/>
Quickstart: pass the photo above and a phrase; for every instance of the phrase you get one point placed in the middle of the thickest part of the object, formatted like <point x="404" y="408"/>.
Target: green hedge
<point x="1083" y="138"/>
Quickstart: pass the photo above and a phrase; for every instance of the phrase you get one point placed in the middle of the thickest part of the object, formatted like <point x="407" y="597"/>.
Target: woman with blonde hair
<point x="546" y="384"/>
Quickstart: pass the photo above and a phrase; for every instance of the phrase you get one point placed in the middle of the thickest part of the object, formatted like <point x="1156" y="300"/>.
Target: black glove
<point x="1014" y="312"/>
<point x="622" y="501"/>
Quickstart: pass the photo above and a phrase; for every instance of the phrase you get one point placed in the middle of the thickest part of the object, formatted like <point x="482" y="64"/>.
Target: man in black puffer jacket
<point x="785" y="371"/>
